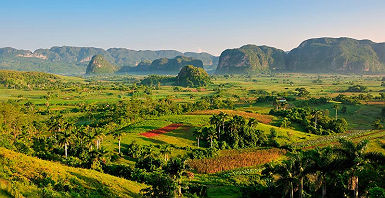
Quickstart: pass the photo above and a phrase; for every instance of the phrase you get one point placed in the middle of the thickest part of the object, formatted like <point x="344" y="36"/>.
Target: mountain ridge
<point x="74" y="60"/>
<point x="325" y="55"/>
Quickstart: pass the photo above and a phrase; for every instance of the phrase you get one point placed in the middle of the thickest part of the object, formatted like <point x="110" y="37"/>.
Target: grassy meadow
<point x="232" y="166"/>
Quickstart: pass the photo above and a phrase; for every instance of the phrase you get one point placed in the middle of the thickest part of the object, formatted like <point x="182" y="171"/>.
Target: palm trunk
<point x="211" y="142"/>
<point x="119" y="146"/>
<point x="323" y="187"/>
<point x="315" y="123"/>
<point x="223" y="126"/>
<point x="180" y="188"/>
<point x="65" y="149"/>
<point x="198" y="141"/>
<point x="291" y="190"/>
<point x="356" y="187"/>
<point x="336" y="114"/>
<point x="97" y="144"/>
<point x="301" y="188"/>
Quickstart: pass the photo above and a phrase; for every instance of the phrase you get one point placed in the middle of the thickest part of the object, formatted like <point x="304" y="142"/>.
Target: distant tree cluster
<point x="157" y="80"/>
<point x="357" y="88"/>
<point x="314" y="121"/>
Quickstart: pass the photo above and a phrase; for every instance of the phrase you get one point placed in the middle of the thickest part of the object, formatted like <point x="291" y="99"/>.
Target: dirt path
<point x="160" y="131"/>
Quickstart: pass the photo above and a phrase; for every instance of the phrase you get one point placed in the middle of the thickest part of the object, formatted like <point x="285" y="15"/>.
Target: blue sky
<point x="185" y="25"/>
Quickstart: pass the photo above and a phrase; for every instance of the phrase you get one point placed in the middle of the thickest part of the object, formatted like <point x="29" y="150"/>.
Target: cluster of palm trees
<point x="234" y="131"/>
<point x="212" y="132"/>
<point x="87" y="137"/>
<point x="324" y="167"/>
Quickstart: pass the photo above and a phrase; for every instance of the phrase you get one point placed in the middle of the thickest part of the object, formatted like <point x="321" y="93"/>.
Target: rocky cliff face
<point x="343" y="55"/>
<point x="251" y="58"/>
<point x="327" y="55"/>
<point x="164" y="65"/>
<point x="99" y="65"/>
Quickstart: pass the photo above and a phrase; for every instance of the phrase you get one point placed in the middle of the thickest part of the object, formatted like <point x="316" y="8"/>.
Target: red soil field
<point x="160" y="131"/>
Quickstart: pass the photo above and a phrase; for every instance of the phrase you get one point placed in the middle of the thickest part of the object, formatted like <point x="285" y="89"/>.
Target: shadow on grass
<point x="154" y="141"/>
<point x="184" y="132"/>
<point x="96" y="189"/>
<point x="132" y="128"/>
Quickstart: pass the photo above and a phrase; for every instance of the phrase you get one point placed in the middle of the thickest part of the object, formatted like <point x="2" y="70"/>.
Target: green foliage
<point x="357" y="88"/>
<point x="236" y="132"/>
<point x="30" y="176"/>
<point x="302" y="92"/>
<point x="376" y="192"/>
<point x="162" y="186"/>
<point x="33" y="81"/>
<point x="305" y="117"/>
<point x="154" y="80"/>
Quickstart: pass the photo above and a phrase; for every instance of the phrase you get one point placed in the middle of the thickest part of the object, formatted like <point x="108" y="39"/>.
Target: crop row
<point x="233" y="159"/>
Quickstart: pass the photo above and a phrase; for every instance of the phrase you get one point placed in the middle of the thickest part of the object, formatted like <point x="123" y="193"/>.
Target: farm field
<point x="226" y="133"/>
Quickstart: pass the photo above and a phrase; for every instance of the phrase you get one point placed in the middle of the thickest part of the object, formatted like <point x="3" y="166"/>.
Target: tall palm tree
<point x="352" y="158"/>
<point x="64" y="139"/>
<point x="290" y="173"/>
<point x="118" y="135"/>
<point x="98" y="132"/>
<point x="336" y="108"/>
<point x="210" y="133"/>
<point x="286" y="176"/>
<point x="198" y="134"/>
<point x="299" y="169"/>
<point x="222" y="118"/>
<point x="175" y="168"/>
<point x="316" y="115"/>
<point x="321" y="161"/>
<point x="165" y="150"/>
<point x="214" y="120"/>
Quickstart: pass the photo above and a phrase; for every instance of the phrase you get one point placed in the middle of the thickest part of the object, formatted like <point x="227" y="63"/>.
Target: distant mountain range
<point x="74" y="60"/>
<point x="319" y="55"/>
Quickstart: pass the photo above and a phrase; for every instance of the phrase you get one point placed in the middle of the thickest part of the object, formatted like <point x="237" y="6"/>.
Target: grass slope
<point x="33" y="177"/>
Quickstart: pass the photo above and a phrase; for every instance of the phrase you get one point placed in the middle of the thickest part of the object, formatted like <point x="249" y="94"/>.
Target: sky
<point x="185" y="25"/>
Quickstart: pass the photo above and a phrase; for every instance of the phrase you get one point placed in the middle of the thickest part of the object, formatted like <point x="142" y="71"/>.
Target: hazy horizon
<point x="197" y="26"/>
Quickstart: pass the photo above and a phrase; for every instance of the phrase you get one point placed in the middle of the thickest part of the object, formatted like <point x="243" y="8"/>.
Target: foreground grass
<point x="27" y="176"/>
